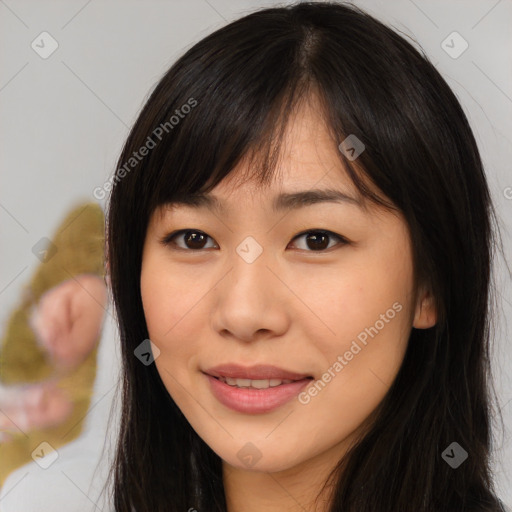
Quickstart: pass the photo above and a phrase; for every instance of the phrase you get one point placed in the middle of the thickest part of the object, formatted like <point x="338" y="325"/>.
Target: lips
<point x="247" y="400"/>
<point x="257" y="372"/>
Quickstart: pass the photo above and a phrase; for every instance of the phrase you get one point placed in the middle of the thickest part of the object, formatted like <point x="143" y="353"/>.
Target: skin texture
<point x="295" y="307"/>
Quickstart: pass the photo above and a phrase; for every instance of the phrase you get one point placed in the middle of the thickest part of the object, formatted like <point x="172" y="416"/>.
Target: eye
<point x="194" y="240"/>
<point x="318" y="239"/>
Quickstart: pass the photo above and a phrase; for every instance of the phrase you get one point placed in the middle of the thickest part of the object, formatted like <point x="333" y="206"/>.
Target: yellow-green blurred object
<point x="79" y="243"/>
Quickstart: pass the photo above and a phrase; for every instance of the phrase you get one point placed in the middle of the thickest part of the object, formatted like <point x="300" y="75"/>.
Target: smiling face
<point x="322" y="289"/>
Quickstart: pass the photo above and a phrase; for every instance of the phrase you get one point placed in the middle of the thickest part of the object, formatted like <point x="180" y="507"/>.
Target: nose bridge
<point x="247" y="298"/>
<point x="249" y="269"/>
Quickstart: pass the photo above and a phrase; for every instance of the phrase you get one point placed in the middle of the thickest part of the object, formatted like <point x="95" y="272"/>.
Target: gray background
<point x="65" y="118"/>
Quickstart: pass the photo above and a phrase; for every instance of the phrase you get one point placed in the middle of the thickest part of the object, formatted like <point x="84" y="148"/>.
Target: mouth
<point x="258" y="376"/>
<point x="256" y="389"/>
<point x="257" y="383"/>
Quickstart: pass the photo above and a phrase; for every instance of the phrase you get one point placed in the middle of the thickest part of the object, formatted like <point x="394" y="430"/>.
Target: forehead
<point x="309" y="169"/>
<point x="293" y="192"/>
<point x="308" y="158"/>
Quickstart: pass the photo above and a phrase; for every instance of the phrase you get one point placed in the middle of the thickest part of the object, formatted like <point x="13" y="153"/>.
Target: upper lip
<point x="257" y="372"/>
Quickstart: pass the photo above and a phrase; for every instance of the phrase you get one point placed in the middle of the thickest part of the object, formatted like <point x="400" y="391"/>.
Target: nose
<point x="251" y="302"/>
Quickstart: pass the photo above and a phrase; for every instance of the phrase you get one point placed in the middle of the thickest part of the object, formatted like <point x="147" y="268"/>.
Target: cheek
<point x="172" y="307"/>
<point x="361" y="362"/>
<point x="341" y="303"/>
<point x="167" y="299"/>
<point x="164" y="319"/>
<point x="365" y="310"/>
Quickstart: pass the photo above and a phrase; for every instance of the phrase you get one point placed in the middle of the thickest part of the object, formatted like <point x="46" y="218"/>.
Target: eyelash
<point x="167" y="239"/>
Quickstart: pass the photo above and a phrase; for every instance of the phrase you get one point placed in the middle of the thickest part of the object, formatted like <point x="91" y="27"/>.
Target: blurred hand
<point x="68" y="319"/>
<point x="28" y="407"/>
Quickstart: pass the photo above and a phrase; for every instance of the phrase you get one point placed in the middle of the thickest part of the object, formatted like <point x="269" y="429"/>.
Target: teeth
<point x="257" y="384"/>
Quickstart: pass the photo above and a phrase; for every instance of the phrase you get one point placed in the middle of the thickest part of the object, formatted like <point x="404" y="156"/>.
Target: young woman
<point x="301" y="225"/>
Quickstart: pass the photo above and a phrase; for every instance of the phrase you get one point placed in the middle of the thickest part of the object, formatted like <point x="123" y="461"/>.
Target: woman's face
<point x="253" y="285"/>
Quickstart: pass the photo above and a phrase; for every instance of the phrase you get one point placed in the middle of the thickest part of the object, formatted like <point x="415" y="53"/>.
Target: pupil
<point x="315" y="238"/>
<point x="195" y="238"/>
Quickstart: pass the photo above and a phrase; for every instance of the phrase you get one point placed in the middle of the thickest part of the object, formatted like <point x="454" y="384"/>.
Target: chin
<point x="250" y="458"/>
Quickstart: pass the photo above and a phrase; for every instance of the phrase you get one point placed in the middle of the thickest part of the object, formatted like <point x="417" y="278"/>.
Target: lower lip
<point x="255" y="401"/>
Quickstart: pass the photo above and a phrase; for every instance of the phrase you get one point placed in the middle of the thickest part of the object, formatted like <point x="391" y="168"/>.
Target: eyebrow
<point x="284" y="201"/>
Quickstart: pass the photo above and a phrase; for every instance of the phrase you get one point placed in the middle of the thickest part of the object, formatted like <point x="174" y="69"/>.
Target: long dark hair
<point x="230" y="96"/>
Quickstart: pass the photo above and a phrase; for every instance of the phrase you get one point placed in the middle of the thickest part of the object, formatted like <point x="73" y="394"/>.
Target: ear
<point x="425" y="315"/>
